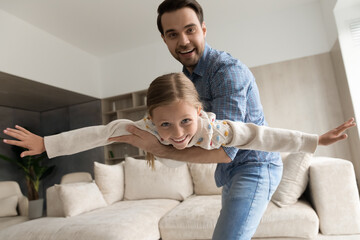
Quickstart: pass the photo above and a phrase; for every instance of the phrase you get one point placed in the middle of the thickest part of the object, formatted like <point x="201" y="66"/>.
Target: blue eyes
<point x="166" y="124"/>
<point x="185" y="121"/>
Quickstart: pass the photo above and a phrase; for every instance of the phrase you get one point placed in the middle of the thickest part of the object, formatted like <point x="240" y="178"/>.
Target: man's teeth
<point x="187" y="51"/>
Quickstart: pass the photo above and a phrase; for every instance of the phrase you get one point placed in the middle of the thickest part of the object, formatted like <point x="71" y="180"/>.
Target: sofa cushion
<point x="141" y="182"/>
<point x="110" y="180"/>
<point x="294" y="180"/>
<point x="170" y="163"/>
<point x="9" y="221"/>
<point x="78" y="198"/>
<point x="194" y="218"/>
<point x="296" y="221"/>
<point x="125" y="220"/>
<point x="203" y="178"/>
<point x="8" y="206"/>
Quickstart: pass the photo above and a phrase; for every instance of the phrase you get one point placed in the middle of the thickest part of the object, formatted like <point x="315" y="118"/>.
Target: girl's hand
<point x="25" y="139"/>
<point x="336" y="134"/>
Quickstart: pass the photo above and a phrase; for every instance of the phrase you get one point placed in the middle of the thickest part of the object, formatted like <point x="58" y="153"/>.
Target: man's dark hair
<point x="173" y="5"/>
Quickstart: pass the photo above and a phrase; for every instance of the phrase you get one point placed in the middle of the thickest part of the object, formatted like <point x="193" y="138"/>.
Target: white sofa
<point x="13" y="204"/>
<point x="129" y="201"/>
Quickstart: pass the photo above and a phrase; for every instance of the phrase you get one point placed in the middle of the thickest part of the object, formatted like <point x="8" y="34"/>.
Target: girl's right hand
<point x="25" y="139"/>
<point x="336" y="134"/>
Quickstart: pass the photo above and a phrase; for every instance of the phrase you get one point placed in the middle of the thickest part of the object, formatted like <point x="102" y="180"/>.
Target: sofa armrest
<point x="53" y="203"/>
<point x="23" y="206"/>
<point x="335" y="195"/>
<point x="76" y="177"/>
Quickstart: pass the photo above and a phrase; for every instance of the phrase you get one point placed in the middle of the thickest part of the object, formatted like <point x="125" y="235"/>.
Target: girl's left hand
<point x="336" y="134"/>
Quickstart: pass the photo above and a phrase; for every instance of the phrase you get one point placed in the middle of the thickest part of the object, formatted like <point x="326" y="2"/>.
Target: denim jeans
<point x="245" y="198"/>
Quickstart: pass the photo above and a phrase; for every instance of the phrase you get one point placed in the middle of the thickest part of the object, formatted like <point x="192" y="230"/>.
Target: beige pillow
<point x="294" y="180"/>
<point x="203" y="178"/>
<point x="110" y="180"/>
<point x="78" y="198"/>
<point x="141" y="182"/>
<point x="8" y="206"/>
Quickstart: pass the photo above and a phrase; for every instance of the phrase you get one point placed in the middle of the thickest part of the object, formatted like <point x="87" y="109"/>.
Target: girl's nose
<point x="178" y="131"/>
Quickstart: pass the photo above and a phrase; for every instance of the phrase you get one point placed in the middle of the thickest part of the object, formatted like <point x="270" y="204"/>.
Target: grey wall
<point x="8" y="118"/>
<point x="48" y="123"/>
<point x="70" y="118"/>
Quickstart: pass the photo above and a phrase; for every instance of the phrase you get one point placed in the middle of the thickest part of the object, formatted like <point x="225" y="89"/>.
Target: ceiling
<point x="101" y="28"/>
<point x="97" y="27"/>
<point x="17" y="92"/>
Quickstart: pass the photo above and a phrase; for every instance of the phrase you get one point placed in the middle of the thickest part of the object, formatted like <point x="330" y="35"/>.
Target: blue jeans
<point x="245" y="198"/>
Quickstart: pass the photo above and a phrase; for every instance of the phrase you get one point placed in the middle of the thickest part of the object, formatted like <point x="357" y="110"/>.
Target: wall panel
<point x="302" y="94"/>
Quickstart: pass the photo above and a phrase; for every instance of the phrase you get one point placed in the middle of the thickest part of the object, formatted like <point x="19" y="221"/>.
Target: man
<point x="227" y="88"/>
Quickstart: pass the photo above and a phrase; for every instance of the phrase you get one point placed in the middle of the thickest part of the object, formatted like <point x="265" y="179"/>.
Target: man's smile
<point x="183" y="52"/>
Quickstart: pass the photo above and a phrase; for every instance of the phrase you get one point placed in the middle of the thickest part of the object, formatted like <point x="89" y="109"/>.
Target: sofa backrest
<point x="203" y="178"/>
<point x="76" y="177"/>
<point x="141" y="182"/>
<point x="9" y="188"/>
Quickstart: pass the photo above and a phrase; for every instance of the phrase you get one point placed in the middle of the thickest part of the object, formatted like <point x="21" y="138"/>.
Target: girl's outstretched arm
<point x="26" y="139"/>
<point x="67" y="143"/>
<point x="336" y="134"/>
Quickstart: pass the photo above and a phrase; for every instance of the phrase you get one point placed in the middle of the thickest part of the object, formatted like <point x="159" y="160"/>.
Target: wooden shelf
<point x="126" y="106"/>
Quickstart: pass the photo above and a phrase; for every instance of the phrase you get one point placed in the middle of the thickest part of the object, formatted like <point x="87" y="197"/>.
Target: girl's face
<point x="176" y="123"/>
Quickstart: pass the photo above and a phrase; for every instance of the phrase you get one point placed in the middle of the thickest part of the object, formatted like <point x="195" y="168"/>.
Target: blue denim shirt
<point x="228" y="88"/>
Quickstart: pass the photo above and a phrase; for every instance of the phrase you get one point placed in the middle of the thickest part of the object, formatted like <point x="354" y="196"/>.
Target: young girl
<point x="176" y="118"/>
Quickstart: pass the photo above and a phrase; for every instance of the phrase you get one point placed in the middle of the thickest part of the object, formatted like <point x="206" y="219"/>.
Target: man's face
<point x="184" y="36"/>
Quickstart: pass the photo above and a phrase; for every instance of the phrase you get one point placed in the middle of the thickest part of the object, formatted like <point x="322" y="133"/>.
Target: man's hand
<point x="34" y="143"/>
<point x="148" y="142"/>
<point x="142" y="139"/>
<point x="336" y="134"/>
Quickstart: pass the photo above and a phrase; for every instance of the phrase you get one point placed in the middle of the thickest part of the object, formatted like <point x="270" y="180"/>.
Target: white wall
<point x="29" y="52"/>
<point x="345" y="14"/>
<point x="327" y="7"/>
<point x="134" y="69"/>
<point x="346" y="11"/>
<point x="267" y="34"/>
<point x="259" y="37"/>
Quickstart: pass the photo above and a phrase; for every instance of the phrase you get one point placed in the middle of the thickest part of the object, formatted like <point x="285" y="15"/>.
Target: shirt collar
<point x="201" y="65"/>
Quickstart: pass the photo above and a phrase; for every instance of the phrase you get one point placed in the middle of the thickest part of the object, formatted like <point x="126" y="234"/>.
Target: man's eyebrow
<point x="190" y="25"/>
<point x="187" y="26"/>
<point x="170" y="30"/>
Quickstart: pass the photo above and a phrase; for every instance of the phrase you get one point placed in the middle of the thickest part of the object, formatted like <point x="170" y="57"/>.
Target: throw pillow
<point x="110" y="180"/>
<point x="203" y="178"/>
<point x="78" y="198"/>
<point x="8" y="206"/>
<point x="294" y="180"/>
<point x="170" y="163"/>
<point x="141" y="182"/>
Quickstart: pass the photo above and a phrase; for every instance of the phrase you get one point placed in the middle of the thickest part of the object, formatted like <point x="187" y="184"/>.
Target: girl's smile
<point x="176" y="123"/>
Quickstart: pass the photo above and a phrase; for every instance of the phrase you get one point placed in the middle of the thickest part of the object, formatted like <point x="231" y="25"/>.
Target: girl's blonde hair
<point x="167" y="89"/>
